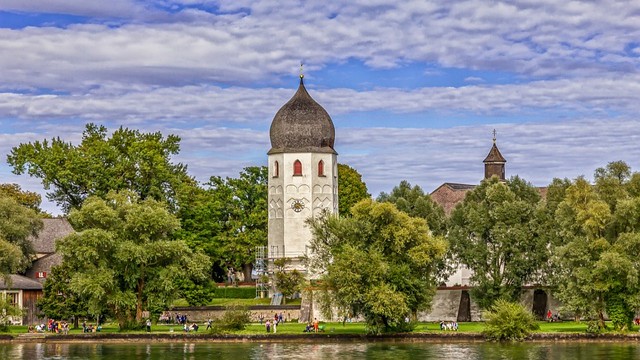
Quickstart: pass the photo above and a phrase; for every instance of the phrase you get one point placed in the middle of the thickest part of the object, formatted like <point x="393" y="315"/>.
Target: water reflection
<point x="325" y="351"/>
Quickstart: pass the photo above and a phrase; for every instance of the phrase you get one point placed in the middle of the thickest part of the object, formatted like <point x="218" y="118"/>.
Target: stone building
<point x="303" y="174"/>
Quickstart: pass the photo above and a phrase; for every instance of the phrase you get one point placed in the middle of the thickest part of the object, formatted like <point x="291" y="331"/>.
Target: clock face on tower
<point x="297" y="205"/>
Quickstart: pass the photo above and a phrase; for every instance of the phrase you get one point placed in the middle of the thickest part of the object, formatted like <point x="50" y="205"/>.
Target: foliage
<point x="7" y="310"/>
<point x="368" y="263"/>
<point x="595" y="265"/>
<point x="128" y="160"/>
<point x="197" y="293"/>
<point x="233" y="292"/>
<point x="235" y="318"/>
<point x="123" y="259"/>
<point x="58" y="301"/>
<point x="493" y="232"/>
<point x="25" y="198"/>
<point x="288" y="282"/>
<point x="351" y="189"/>
<point x="17" y="224"/>
<point x="508" y="321"/>
<point x="228" y="220"/>
<point x="413" y="201"/>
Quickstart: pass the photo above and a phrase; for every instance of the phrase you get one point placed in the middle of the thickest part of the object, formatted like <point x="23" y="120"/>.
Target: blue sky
<point x="415" y="88"/>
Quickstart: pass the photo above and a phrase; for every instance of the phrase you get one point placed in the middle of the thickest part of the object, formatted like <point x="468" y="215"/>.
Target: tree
<point x="596" y="265"/>
<point x="229" y="219"/>
<point x="351" y="189"/>
<point x="7" y="310"/>
<point x="17" y="224"/>
<point x="123" y="258"/>
<point x="379" y="263"/>
<point x="508" y="321"/>
<point x="288" y="282"/>
<point x="413" y="201"/>
<point x="493" y="232"/>
<point x="58" y="301"/>
<point x="25" y="198"/>
<point x="128" y="160"/>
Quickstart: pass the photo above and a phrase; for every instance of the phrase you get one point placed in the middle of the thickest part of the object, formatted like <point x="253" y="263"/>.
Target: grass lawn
<point x="333" y="328"/>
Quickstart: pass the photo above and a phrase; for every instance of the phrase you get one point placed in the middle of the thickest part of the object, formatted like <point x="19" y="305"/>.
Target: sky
<point x="414" y="88"/>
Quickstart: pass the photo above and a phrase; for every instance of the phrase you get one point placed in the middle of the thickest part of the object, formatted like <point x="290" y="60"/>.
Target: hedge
<point x="231" y="292"/>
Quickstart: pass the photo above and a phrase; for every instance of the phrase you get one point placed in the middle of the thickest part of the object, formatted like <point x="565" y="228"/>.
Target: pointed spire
<point x="494" y="163"/>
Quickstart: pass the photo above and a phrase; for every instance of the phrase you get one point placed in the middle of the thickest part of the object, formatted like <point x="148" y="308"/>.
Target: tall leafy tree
<point x="351" y="189"/>
<point x="379" y="263"/>
<point x="413" y="201"/>
<point x="596" y="264"/>
<point x="58" y="300"/>
<point x="228" y="220"/>
<point x="123" y="259"/>
<point x="29" y="199"/>
<point x="17" y="224"/>
<point x="128" y="160"/>
<point x="493" y="232"/>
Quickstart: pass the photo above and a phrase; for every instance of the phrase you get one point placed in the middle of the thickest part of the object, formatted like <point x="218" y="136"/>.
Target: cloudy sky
<point x="415" y="88"/>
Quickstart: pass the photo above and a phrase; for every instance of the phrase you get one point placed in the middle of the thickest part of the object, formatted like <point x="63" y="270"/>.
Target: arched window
<point x="276" y="169"/>
<point x="321" y="168"/>
<point x="297" y="168"/>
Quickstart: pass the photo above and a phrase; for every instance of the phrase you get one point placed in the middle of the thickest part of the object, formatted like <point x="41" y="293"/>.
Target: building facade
<point x="303" y="174"/>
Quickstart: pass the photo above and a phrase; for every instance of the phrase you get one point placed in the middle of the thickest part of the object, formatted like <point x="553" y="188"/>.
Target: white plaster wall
<point x="287" y="229"/>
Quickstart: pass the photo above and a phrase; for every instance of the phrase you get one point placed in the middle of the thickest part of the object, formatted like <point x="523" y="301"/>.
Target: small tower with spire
<point x="494" y="163"/>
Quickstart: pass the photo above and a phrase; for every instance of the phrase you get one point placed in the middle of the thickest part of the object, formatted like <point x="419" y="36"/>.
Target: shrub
<point x="508" y="321"/>
<point x="235" y="318"/>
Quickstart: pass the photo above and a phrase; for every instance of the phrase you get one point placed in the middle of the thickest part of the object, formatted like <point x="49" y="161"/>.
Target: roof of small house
<point x="19" y="282"/>
<point x="53" y="229"/>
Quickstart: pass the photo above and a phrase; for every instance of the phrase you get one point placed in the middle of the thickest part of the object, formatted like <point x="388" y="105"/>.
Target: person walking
<point x="148" y="325"/>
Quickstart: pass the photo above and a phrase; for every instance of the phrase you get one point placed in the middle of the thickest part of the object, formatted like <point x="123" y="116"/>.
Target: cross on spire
<point x="494" y="136"/>
<point x="301" y="73"/>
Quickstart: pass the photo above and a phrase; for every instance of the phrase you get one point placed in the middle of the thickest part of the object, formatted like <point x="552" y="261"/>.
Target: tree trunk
<point x="601" y="323"/>
<point x="246" y="270"/>
<point x="139" y="300"/>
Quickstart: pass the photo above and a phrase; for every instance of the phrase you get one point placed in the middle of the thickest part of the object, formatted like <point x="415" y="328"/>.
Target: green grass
<point x="333" y="328"/>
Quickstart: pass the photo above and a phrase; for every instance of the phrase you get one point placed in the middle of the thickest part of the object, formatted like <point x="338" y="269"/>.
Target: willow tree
<point x="380" y="263"/>
<point x="122" y="257"/>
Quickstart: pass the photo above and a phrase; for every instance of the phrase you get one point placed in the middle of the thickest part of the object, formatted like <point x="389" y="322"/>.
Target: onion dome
<point x="302" y="125"/>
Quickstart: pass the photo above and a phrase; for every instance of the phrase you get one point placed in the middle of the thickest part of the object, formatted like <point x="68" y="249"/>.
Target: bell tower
<point x="303" y="174"/>
<point x="494" y="163"/>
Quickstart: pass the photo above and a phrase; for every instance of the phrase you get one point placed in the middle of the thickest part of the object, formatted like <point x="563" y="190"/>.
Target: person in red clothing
<point x="549" y="315"/>
<point x="315" y="324"/>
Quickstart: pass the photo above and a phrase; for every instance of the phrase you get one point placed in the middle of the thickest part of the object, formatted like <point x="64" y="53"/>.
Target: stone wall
<point x="200" y="314"/>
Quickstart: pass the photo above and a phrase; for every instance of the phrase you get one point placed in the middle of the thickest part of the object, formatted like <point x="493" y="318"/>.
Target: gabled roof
<point x="19" y="282"/>
<point x="448" y="195"/>
<point x="54" y="229"/>
<point x="494" y="155"/>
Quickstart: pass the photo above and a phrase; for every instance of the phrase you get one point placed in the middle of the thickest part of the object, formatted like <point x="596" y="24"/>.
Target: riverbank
<point x="307" y="338"/>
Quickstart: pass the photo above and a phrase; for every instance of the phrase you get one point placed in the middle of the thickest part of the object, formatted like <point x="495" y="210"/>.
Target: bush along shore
<point x="564" y="331"/>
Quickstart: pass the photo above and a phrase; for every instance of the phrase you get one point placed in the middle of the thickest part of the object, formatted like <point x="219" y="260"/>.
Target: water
<point x="325" y="351"/>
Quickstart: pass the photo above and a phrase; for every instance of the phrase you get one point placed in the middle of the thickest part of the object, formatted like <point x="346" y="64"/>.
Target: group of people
<point x="312" y="327"/>
<point x="272" y="325"/>
<point x="58" y="327"/>
<point x="449" y="325"/>
<point x="168" y="318"/>
<point x="551" y="317"/>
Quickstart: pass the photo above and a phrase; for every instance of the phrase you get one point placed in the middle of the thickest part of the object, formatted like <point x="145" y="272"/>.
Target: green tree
<point x="7" y="310"/>
<point x="287" y="281"/>
<point x="29" y="199"/>
<point x="58" y="301"/>
<point x="493" y="232"/>
<point x="595" y="266"/>
<point x="122" y="256"/>
<point x="17" y="224"/>
<point x="351" y="189"/>
<point x="228" y="220"/>
<point x="413" y="201"/>
<point x="379" y="263"/>
<point x="128" y="160"/>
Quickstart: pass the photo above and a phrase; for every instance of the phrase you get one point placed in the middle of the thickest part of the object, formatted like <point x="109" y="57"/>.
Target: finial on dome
<point x="301" y="73"/>
<point x="494" y="136"/>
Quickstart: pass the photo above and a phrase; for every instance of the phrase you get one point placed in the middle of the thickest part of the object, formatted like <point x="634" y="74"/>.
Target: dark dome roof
<point x="302" y="125"/>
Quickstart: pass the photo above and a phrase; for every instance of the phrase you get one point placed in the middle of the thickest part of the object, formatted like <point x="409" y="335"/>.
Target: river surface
<point x="325" y="351"/>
